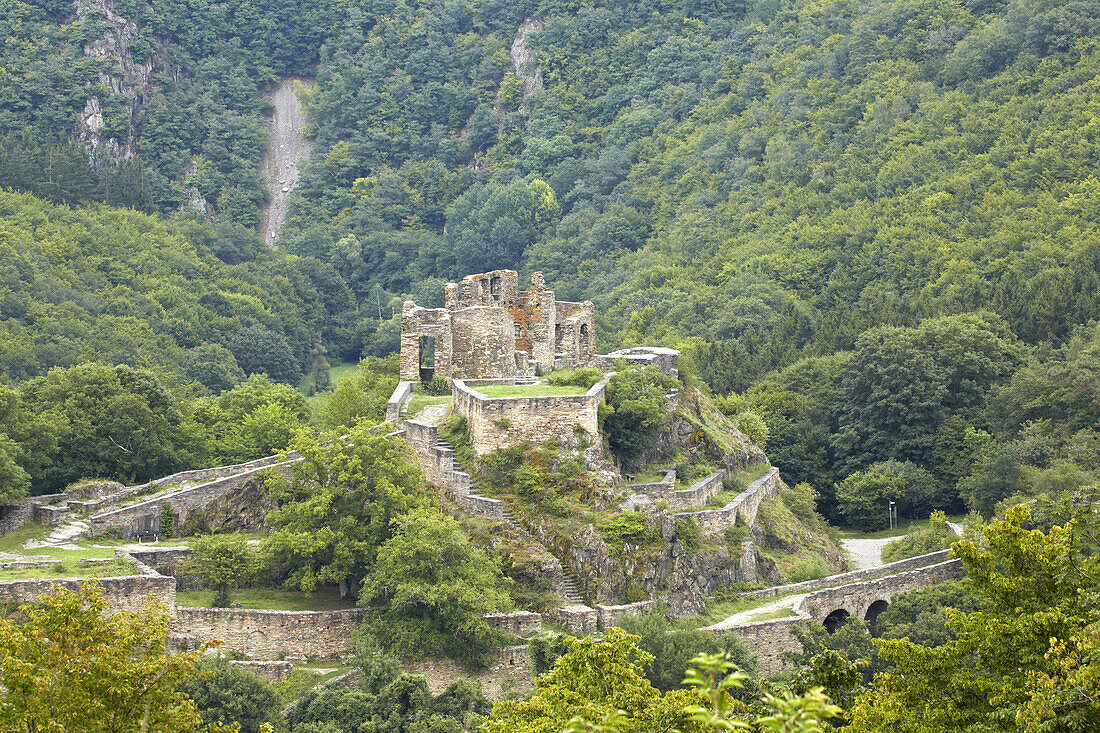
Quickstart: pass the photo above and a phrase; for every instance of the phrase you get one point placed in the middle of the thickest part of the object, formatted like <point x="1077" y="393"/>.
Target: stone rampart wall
<point x="520" y="623"/>
<point x="500" y="422"/>
<point x="608" y="616"/>
<point x="123" y="593"/>
<point x="698" y="494"/>
<point x="272" y="671"/>
<point x="747" y="503"/>
<point x="402" y="392"/>
<point x="126" y="520"/>
<point x="511" y="671"/>
<point x="438" y="464"/>
<point x="197" y="476"/>
<point x="269" y="634"/>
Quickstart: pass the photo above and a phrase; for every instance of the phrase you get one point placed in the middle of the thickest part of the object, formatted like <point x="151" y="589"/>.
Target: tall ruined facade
<point x="489" y="329"/>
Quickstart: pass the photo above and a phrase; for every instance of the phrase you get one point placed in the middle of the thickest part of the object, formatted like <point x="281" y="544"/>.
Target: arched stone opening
<point x="871" y="617"/>
<point x="427" y="358"/>
<point x="835" y="620"/>
<point x="583" y="341"/>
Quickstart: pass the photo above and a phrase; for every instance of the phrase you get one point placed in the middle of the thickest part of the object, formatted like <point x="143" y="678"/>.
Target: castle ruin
<point x="490" y="329"/>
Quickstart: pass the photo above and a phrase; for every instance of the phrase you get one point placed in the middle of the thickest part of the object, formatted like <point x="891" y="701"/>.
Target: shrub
<point x="691" y="537"/>
<point x="753" y="427"/>
<point x="436" y="387"/>
<point x="545" y="650"/>
<point x="167" y="521"/>
<point x="580" y="377"/>
<point x="808" y="568"/>
<point x="936" y="536"/>
<point x="628" y="527"/>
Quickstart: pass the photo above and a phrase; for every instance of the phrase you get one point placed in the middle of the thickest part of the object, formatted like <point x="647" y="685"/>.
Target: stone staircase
<point x="568" y="585"/>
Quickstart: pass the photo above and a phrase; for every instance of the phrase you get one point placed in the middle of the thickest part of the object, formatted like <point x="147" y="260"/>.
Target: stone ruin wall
<point x="144" y="515"/>
<point x="574" y="332"/>
<point x="483" y="343"/>
<point x="747" y="504"/>
<point x="489" y="328"/>
<point x="511" y="671"/>
<point x="270" y="634"/>
<point x="500" y="422"/>
<point x="415" y="323"/>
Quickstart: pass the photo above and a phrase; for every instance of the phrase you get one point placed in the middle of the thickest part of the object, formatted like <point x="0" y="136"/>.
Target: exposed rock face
<point x="524" y="59"/>
<point x="125" y="79"/>
<point x="697" y="426"/>
<point x="668" y="574"/>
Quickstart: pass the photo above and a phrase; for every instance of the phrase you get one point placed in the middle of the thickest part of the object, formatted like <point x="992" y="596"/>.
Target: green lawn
<point x="418" y="402"/>
<point x="335" y="372"/>
<point x="901" y="530"/>
<point x="537" y="390"/>
<point x="270" y="599"/>
<point x="14" y="541"/>
<point x="70" y="567"/>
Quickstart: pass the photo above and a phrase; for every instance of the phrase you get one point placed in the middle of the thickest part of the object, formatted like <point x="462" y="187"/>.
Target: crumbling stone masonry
<point x="500" y="422"/>
<point x="488" y="329"/>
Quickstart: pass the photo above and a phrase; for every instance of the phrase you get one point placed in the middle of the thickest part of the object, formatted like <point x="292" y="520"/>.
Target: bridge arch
<point x="873" y="612"/>
<point x="835" y="620"/>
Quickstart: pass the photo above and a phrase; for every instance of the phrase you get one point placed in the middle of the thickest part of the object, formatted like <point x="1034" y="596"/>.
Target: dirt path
<point x="286" y="146"/>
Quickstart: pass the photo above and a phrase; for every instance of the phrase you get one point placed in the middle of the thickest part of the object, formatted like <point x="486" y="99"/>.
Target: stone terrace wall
<point x="699" y="493"/>
<point x="520" y="623"/>
<point x="500" y="422"/>
<point x="16" y="516"/>
<point x="183" y="501"/>
<point x="512" y="670"/>
<point x="747" y="503"/>
<point x="607" y="616"/>
<point x="197" y="476"/>
<point x="268" y="634"/>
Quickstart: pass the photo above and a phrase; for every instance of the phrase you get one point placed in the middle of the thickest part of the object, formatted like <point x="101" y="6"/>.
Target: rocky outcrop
<point x="698" y="427"/>
<point x="124" y="77"/>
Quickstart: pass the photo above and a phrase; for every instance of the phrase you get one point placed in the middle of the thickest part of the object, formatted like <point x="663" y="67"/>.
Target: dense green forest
<point x="871" y="228"/>
<point x="874" y="226"/>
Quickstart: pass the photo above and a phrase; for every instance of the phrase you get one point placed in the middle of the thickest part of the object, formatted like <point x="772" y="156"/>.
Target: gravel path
<point x="752" y="614"/>
<point x="285" y="147"/>
<point x="866" y="554"/>
<point x="61" y="538"/>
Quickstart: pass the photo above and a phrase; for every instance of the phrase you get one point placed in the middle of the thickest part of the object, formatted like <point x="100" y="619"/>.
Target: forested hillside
<point x="873" y="225"/>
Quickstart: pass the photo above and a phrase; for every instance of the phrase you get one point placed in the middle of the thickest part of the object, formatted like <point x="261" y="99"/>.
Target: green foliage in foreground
<point x="436" y="587"/>
<point x="601" y="686"/>
<point x="227" y="694"/>
<point x="672" y="648"/>
<point x="1022" y="660"/>
<point x="66" y="665"/>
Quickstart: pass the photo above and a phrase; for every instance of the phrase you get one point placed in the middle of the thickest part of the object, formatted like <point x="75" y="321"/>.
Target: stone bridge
<point x="833" y="606"/>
